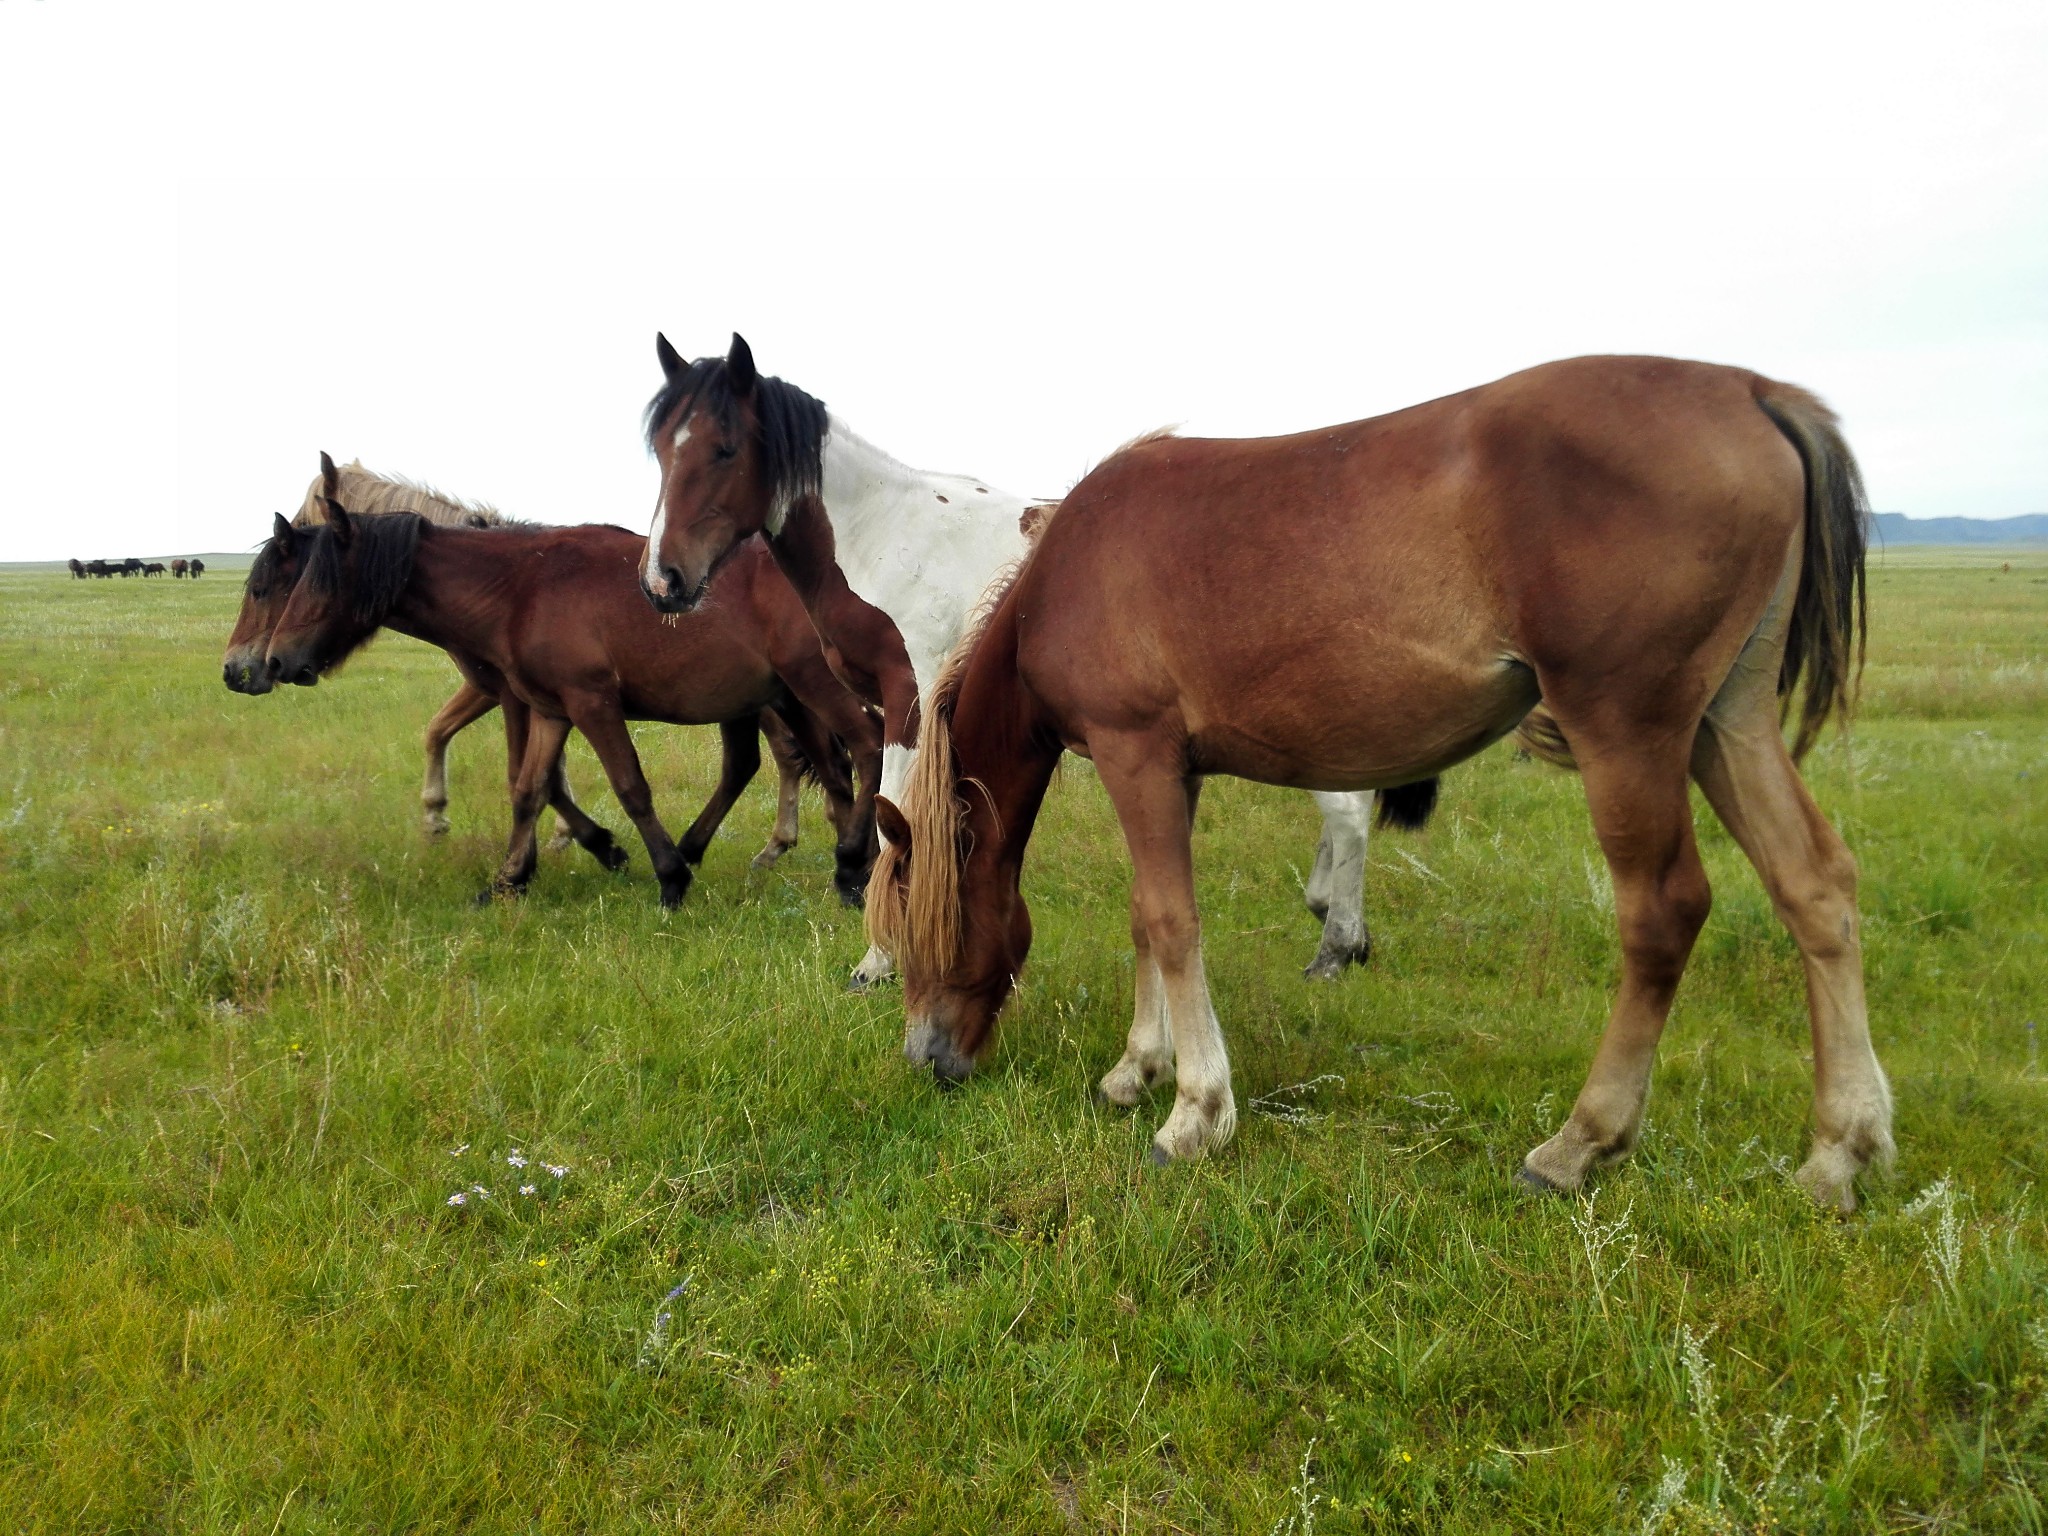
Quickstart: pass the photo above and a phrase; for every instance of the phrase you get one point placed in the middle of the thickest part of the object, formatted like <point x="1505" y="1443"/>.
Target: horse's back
<point x="1420" y="566"/>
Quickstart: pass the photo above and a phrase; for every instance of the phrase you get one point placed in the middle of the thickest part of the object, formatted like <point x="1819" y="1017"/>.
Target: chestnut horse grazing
<point x="554" y="614"/>
<point x="892" y="562"/>
<point x="1660" y="552"/>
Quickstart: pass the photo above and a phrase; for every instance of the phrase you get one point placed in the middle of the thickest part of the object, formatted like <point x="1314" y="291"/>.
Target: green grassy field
<point x="255" y="1038"/>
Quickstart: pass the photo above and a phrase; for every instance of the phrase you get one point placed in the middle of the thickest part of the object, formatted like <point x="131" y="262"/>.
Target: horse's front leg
<point x="1148" y="1054"/>
<point x="1155" y="802"/>
<point x="545" y="738"/>
<point x="604" y="727"/>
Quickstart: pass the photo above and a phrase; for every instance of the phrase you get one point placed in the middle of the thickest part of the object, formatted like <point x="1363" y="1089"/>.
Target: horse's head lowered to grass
<point x="736" y="452"/>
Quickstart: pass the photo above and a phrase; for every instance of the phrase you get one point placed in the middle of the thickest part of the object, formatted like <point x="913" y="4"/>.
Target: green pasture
<point x="254" y="1037"/>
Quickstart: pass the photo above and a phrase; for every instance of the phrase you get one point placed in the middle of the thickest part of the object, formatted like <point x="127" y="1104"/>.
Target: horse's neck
<point x="448" y="598"/>
<point x="921" y="547"/>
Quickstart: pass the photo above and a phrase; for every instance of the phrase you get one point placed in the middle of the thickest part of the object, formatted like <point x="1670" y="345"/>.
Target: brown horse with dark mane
<point x="554" y="617"/>
<point x="1663" y="553"/>
<point x="273" y="574"/>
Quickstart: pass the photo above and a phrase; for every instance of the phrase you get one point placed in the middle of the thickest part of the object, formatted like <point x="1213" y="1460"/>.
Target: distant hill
<point x="1897" y="528"/>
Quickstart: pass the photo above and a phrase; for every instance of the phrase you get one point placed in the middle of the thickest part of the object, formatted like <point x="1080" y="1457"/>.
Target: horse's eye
<point x="725" y="451"/>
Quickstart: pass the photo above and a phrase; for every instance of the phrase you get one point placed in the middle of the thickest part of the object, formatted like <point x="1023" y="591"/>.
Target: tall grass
<point x="255" y="1038"/>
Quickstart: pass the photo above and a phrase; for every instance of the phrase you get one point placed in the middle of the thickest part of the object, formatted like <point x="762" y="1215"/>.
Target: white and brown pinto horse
<point x="892" y="563"/>
<point x="1661" y="552"/>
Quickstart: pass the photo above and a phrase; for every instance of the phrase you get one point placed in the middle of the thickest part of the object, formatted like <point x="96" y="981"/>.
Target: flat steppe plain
<point x="254" y="1038"/>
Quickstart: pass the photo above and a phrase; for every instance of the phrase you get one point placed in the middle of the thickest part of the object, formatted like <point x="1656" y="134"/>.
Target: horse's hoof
<point x="613" y="857"/>
<point x="1158" y="1156"/>
<point x="672" y="896"/>
<point x="1331" y="960"/>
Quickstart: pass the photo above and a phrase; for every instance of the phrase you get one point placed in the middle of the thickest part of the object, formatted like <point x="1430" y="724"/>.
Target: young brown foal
<point x="1658" y="551"/>
<point x="556" y="614"/>
<point x="273" y="574"/>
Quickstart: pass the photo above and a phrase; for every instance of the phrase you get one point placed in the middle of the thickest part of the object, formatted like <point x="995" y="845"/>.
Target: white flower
<point x="529" y="1189"/>
<point x="479" y="1189"/>
<point x="515" y="1159"/>
<point x="555" y="1168"/>
<point x="458" y="1151"/>
<point x="458" y="1198"/>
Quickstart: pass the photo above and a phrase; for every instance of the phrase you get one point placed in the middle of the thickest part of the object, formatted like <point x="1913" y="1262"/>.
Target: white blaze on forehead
<point x="650" y="564"/>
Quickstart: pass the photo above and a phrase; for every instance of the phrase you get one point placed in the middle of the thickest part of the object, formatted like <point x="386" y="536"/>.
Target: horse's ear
<point x="892" y="823"/>
<point x="339" y="520"/>
<point x="739" y="366"/>
<point x="330" y="477"/>
<point x="672" y="362"/>
<point x="279" y="528"/>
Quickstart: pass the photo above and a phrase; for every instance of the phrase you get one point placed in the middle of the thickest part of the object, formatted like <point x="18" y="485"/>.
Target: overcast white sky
<point x="999" y="240"/>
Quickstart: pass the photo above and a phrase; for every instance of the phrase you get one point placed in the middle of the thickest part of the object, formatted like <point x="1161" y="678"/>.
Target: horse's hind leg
<point x="1636" y="789"/>
<point x="1750" y="780"/>
<point x="468" y="705"/>
<point x="850" y="803"/>
<point x="572" y="825"/>
<point x="788" y="790"/>
<point x="1336" y="887"/>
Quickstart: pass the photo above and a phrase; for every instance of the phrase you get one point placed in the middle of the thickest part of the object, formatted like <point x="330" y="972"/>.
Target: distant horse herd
<point x="1638" y="566"/>
<point x="83" y="569"/>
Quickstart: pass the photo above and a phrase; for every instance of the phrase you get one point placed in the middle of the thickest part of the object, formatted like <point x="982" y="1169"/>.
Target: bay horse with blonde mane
<point x="1662" y="553"/>
<point x="892" y="563"/>
<point x="552" y="617"/>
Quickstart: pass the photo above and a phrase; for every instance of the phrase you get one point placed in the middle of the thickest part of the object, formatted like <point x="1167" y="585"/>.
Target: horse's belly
<point x="1366" y="733"/>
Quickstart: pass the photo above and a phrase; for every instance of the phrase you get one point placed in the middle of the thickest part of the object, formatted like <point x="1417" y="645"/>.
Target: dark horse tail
<point x="1407" y="806"/>
<point x="1824" y="643"/>
<point x="1830" y="615"/>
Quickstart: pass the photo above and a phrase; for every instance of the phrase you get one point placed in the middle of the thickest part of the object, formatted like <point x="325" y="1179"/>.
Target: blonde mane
<point x="366" y="491"/>
<point x="920" y="929"/>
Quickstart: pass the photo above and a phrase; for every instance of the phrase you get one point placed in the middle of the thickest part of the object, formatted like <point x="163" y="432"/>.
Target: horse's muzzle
<point x="924" y="1041"/>
<point x="673" y="595"/>
<point x="242" y="677"/>
<point x="303" y="675"/>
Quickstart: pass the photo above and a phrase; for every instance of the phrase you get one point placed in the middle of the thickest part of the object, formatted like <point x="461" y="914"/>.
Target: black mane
<point x="792" y="423"/>
<point x="267" y="567"/>
<point x="384" y="544"/>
